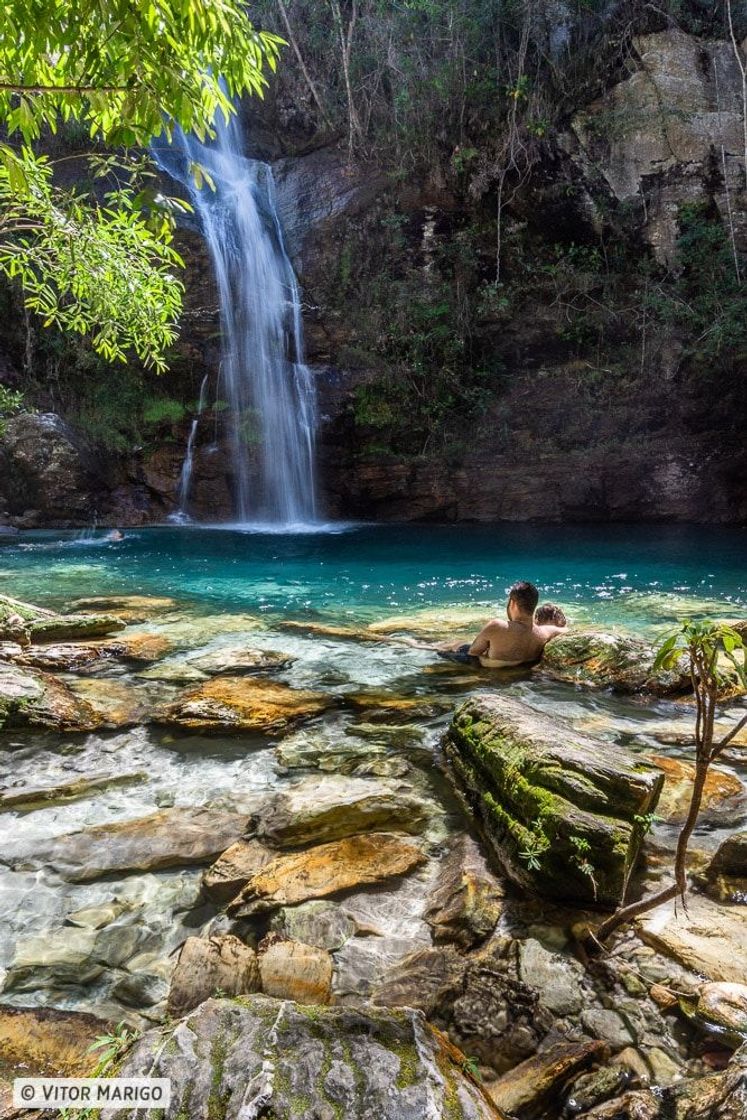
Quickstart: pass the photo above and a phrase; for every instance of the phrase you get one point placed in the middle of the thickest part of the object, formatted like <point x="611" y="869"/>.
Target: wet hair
<point x="550" y="615"/>
<point x="525" y="595"/>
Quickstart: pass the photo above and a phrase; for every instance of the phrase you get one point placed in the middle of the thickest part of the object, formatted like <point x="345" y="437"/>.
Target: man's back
<point x="512" y="642"/>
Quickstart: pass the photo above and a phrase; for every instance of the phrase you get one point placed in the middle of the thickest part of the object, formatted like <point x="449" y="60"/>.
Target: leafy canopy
<point x="125" y="71"/>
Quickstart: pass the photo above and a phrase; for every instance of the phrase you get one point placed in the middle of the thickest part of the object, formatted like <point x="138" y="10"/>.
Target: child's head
<point x="549" y="615"/>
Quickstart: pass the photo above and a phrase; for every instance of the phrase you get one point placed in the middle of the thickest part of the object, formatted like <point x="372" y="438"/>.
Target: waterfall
<point x="263" y="376"/>
<point x="185" y="477"/>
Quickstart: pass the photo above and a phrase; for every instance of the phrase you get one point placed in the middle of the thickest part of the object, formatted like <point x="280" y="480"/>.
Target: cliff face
<point x="595" y="372"/>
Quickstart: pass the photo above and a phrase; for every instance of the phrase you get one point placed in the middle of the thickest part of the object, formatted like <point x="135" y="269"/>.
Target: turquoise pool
<point x="631" y="575"/>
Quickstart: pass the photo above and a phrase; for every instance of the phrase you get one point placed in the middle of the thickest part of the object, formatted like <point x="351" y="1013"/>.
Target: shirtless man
<point x="500" y="645"/>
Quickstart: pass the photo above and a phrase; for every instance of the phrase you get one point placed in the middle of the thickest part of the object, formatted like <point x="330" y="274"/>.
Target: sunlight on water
<point x="638" y="576"/>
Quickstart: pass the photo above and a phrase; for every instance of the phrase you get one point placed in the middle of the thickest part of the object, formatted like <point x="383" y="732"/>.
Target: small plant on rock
<point x="717" y="658"/>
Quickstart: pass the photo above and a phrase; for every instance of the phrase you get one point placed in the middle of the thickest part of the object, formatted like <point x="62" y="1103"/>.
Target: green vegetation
<point x="706" y="646"/>
<point x="94" y="262"/>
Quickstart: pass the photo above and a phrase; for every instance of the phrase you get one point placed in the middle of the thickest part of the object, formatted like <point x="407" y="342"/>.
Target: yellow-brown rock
<point x="130" y="608"/>
<point x="327" y="869"/>
<point x="31" y="698"/>
<point x="206" y="965"/>
<point x="234" y="868"/>
<point x="46" y="1042"/>
<point x="720" y="787"/>
<point x="242" y="704"/>
<point x="141" y="648"/>
<point x="292" y="970"/>
<point x="115" y="703"/>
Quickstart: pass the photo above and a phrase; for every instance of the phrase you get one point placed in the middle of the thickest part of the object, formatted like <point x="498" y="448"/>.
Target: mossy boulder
<point x="31" y="698"/>
<point x="256" y="1056"/>
<point x="620" y="662"/>
<point x="557" y="808"/>
<point x="25" y="623"/>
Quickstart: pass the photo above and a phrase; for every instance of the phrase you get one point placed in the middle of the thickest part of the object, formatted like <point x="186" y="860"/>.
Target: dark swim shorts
<point x="460" y="654"/>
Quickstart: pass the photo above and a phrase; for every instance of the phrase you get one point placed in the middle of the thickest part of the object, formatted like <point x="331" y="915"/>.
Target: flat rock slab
<point x="65" y="657"/>
<point x="207" y="965"/>
<point x="240" y="658"/>
<point x="620" y="662"/>
<point x="325" y="870"/>
<point x="710" y="939"/>
<point x="32" y="698"/>
<point x="171" y="838"/>
<point x="279" y="1059"/>
<point x="48" y="1043"/>
<point x="139" y="648"/>
<point x="334" y="806"/>
<point x="36" y="797"/>
<point x="129" y="608"/>
<point x="557" y="807"/>
<point x="242" y="704"/>
<point x="115" y="702"/>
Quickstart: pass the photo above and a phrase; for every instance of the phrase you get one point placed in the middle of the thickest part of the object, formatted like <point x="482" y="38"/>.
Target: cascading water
<point x="266" y="382"/>
<point x="185" y="478"/>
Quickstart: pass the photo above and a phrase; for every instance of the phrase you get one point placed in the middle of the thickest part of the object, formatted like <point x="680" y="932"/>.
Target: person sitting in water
<point x="518" y="641"/>
<point x="115" y="535"/>
<point x="549" y="614"/>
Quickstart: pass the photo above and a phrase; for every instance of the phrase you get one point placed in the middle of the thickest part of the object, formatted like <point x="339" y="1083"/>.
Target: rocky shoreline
<point x="323" y="926"/>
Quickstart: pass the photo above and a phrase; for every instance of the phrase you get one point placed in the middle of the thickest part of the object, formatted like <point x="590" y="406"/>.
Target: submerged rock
<point x="171" y="838"/>
<point x="531" y="1087"/>
<point x="707" y="938"/>
<point x="293" y="970"/>
<point x="467" y="901"/>
<point x="32" y="698"/>
<point x="555" y="976"/>
<point x="721" y="793"/>
<point x="557" y="807"/>
<point x="116" y="703"/>
<point x="321" y="923"/>
<point x="726" y="874"/>
<point x="30" y="797"/>
<point x="71" y="957"/>
<point x="240" y="658"/>
<point x="480" y="999"/>
<point x="49" y="1043"/>
<point x="208" y="965"/>
<point x="277" y="1059"/>
<point x="242" y="704"/>
<point x="326" y="869"/>
<point x="198" y="630"/>
<point x="619" y="662"/>
<point x="129" y="608"/>
<point x="334" y="806"/>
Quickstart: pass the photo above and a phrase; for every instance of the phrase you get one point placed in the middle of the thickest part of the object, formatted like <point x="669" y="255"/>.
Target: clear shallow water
<point x="634" y="575"/>
<point x="643" y="577"/>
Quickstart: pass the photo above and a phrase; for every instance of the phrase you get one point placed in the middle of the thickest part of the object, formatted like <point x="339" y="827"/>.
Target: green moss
<point x="216" y="1101"/>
